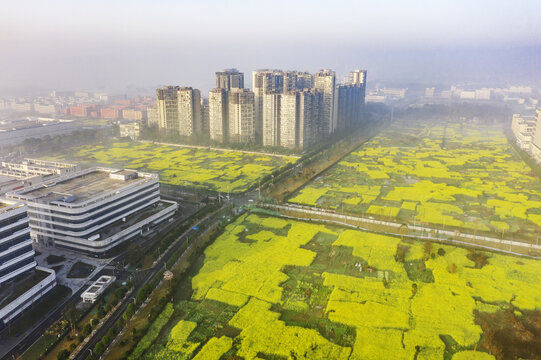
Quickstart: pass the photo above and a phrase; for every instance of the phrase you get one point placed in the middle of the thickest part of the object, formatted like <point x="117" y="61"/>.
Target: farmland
<point x="226" y="171"/>
<point x="459" y="175"/>
<point x="272" y="288"/>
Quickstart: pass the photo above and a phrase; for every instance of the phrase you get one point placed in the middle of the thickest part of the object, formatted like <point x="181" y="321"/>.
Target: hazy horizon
<point x="135" y="45"/>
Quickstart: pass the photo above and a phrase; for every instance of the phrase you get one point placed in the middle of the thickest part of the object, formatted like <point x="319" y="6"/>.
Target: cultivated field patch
<point x="271" y="288"/>
<point x="454" y="175"/>
<point x="226" y="171"/>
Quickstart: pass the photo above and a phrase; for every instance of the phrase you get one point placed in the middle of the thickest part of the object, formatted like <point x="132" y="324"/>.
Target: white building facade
<point x="16" y="252"/>
<point x="22" y="282"/>
<point x="94" y="210"/>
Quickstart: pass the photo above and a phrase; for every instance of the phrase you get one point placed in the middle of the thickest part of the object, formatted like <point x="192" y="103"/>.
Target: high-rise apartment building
<point x="179" y="110"/>
<point x="289" y="82"/>
<point x="309" y="117"/>
<point x="271" y="119"/>
<point x="263" y="82"/>
<point x="325" y="80"/>
<point x="189" y="111"/>
<point x="289" y="116"/>
<point x="357" y="77"/>
<point x="167" y="105"/>
<point x="300" y="118"/>
<point x="305" y="80"/>
<point x="229" y="79"/>
<point x="205" y="120"/>
<point x="241" y="115"/>
<point x="348" y="106"/>
<point x="286" y="108"/>
<point x="218" y="125"/>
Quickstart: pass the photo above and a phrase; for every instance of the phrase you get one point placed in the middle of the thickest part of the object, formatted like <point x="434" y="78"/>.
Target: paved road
<point x="112" y="320"/>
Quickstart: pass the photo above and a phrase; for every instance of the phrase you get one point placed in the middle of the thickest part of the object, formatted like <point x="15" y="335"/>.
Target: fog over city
<point x="136" y="46"/>
<point x="281" y="179"/>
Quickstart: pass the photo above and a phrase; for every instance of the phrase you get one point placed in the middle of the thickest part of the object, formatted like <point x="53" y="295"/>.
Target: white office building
<point x="16" y="252"/>
<point x="94" y="210"/>
<point x="523" y="128"/>
<point x="21" y="282"/>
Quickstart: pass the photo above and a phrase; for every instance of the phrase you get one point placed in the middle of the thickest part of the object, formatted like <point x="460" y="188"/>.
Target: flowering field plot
<point x="464" y="176"/>
<point x="271" y="288"/>
<point x="211" y="169"/>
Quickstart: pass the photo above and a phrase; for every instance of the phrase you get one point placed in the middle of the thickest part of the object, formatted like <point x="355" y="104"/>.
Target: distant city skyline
<point x="129" y="45"/>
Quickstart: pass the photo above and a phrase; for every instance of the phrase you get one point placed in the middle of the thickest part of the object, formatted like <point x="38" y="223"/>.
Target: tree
<point x="427" y="248"/>
<point x="71" y="317"/>
<point x="63" y="354"/>
<point x="401" y="251"/>
<point x="87" y="329"/>
<point x="142" y="293"/>
<point x="99" y="348"/>
<point x="101" y="313"/>
<point x="130" y="310"/>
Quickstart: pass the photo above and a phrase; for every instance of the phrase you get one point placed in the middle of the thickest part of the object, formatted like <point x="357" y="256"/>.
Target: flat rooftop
<point x="97" y="286"/>
<point x="5" y="179"/>
<point x="12" y="290"/>
<point x="77" y="189"/>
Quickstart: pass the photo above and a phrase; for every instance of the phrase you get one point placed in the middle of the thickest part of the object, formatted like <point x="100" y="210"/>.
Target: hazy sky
<point x="117" y="44"/>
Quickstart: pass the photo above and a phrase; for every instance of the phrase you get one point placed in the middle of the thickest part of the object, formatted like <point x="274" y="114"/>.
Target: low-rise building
<point x="135" y="115"/>
<point x="94" y="210"/>
<point x="110" y="113"/>
<point x="15" y="132"/>
<point x="153" y="118"/>
<point x="535" y="148"/>
<point x="97" y="288"/>
<point x="131" y="130"/>
<point x="15" y="175"/>
<point x="523" y="128"/>
<point x="49" y="109"/>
